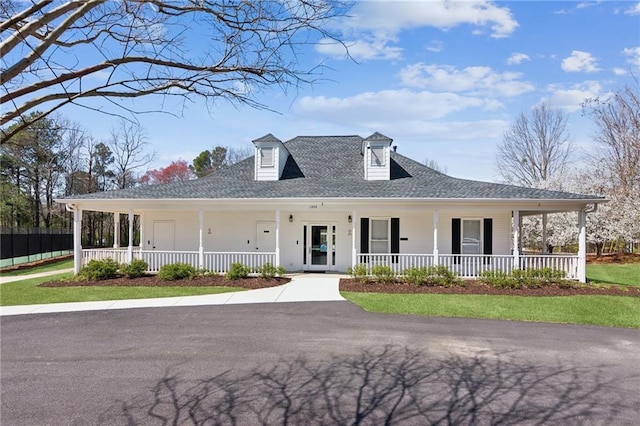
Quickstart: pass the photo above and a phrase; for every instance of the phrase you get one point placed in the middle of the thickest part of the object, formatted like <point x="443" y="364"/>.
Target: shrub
<point x="135" y="269"/>
<point x="499" y="279"/>
<point x="237" y="271"/>
<point x="383" y="274"/>
<point x="176" y="271"/>
<point x="416" y="276"/>
<point x="99" y="270"/>
<point x="440" y="275"/>
<point x="359" y="272"/>
<point x="269" y="271"/>
<point x="528" y="278"/>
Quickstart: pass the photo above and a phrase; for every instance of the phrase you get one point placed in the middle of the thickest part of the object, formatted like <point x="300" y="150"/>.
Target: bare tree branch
<point x="131" y="48"/>
<point x="535" y="147"/>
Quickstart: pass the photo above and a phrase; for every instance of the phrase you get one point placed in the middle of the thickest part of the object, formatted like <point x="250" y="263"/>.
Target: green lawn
<point x="616" y="311"/>
<point x="27" y="292"/>
<point x="622" y="274"/>
<point x="61" y="264"/>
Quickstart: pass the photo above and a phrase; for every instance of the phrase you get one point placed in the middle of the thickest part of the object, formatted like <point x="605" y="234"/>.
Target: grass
<point x="621" y="274"/>
<point x="61" y="264"/>
<point x="27" y="292"/>
<point x="615" y="311"/>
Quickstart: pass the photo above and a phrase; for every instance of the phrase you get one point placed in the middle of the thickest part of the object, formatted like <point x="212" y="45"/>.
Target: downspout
<point x="77" y="236"/>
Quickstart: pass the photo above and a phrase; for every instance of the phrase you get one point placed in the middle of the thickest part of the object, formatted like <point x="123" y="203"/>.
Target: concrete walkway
<point x="5" y="280"/>
<point x="301" y="288"/>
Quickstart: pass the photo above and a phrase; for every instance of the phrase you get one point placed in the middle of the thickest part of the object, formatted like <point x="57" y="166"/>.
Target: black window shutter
<point x="455" y="235"/>
<point x="455" y="238"/>
<point x="488" y="236"/>
<point x="395" y="237"/>
<point x="364" y="235"/>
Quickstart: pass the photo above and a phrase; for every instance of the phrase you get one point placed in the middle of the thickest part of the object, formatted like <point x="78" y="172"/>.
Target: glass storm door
<point x="319" y="245"/>
<point x="319" y="251"/>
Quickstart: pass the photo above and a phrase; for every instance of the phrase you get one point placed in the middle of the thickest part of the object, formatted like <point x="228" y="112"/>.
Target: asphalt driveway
<point x="311" y="363"/>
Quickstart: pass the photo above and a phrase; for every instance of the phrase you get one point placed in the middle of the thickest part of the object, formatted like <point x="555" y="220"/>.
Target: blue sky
<point x="444" y="80"/>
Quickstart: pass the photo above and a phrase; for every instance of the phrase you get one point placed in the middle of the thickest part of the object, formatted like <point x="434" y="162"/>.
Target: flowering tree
<point x="177" y="171"/>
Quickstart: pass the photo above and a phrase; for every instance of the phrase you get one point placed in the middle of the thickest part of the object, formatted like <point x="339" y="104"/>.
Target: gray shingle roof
<point x="332" y="167"/>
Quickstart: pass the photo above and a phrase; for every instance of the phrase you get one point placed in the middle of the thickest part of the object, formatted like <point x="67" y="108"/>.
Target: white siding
<point x="377" y="172"/>
<point x="501" y="228"/>
<point x="280" y="155"/>
<point x="235" y="231"/>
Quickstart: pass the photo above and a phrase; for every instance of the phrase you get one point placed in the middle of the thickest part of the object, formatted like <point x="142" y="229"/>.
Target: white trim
<point x="201" y="240"/>
<point x="130" y="248"/>
<point x="582" y="245"/>
<point x="436" y="252"/>
<point x="371" y="240"/>
<point x="516" y="239"/>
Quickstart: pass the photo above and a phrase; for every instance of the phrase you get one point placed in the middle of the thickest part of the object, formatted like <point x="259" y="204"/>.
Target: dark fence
<point x="28" y="245"/>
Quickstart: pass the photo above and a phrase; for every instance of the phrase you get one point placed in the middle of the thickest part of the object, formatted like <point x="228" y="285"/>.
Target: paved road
<point x="311" y="363"/>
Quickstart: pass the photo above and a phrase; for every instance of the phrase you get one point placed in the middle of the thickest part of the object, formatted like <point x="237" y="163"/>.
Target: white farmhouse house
<point x="324" y="203"/>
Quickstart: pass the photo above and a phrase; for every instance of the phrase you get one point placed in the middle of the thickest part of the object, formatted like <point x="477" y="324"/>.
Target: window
<point x="379" y="236"/>
<point x="471" y="236"/>
<point x="377" y="155"/>
<point x="266" y="157"/>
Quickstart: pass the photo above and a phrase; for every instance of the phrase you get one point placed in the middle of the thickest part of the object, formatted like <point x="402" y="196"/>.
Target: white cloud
<point x="375" y="24"/>
<point x="633" y="10"/>
<point x="395" y="16"/>
<point x="620" y="71"/>
<point x="571" y="99"/>
<point x="474" y="80"/>
<point x="435" y="46"/>
<point x="360" y="50"/>
<point x="517" y="58"/>
<point x="633" y="55"/>
<point x="386" y="106"/>
<point x="580" y="61"/>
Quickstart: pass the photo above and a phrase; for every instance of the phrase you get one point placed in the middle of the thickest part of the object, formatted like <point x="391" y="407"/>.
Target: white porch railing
<point x="472" y="265"/>
<point x="157" y="258"/>
<point x="213" y="262"/>
<point x="117" y="254"/>
<point x="220" y="262"/>
<point x="563" y="262"/>
<point x="397" y="262"/>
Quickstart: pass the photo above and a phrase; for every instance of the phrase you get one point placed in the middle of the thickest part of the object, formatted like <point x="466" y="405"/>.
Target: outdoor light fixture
<point x="290" y="218"/>
<point x="350" y="219"/>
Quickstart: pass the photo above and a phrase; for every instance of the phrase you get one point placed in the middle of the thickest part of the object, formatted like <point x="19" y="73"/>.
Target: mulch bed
<point x="614" y="258"/>
<point x="475" y="287"/>
<point x="350" y="284"/>
<point x="153" y="281"/>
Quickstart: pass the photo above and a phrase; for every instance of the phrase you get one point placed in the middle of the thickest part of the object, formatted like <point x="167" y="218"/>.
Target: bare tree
<point x="535" y="147"/>
<point x="617" y="121"/>
<point x="128" y="143"/>
<point x="433" y="164"/>
<point x="57" y="53"/>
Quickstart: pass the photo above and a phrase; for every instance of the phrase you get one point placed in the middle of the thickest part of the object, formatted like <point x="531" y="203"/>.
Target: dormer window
<point x="270" y="158"/>
<point x="266" y="156"/>
<point x="378" y="156"/>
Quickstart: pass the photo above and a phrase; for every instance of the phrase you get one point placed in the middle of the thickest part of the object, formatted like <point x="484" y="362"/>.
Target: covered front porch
<point x="423" y="238"/>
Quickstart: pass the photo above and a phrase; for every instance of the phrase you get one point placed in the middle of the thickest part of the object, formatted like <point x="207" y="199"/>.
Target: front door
<point x="266" y="237"/>
<point x="163" y="235"/>
<point x="320" y="241"/>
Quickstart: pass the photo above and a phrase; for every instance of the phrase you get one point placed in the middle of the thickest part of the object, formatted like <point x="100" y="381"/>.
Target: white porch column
<point x="141" y="231"/>
<point x="544" y="233"/>
<point x="77" y="240"/>
<point x="277" y="238"/>
<point x="130" y="248"/>
<point x="354" y="246"/>
<point x="116" y="230"/>
<point x="436" y="253"/>
<point x="582" y="246"/>
<point x="201" y="240"/>
<point x="516" y="239"/>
